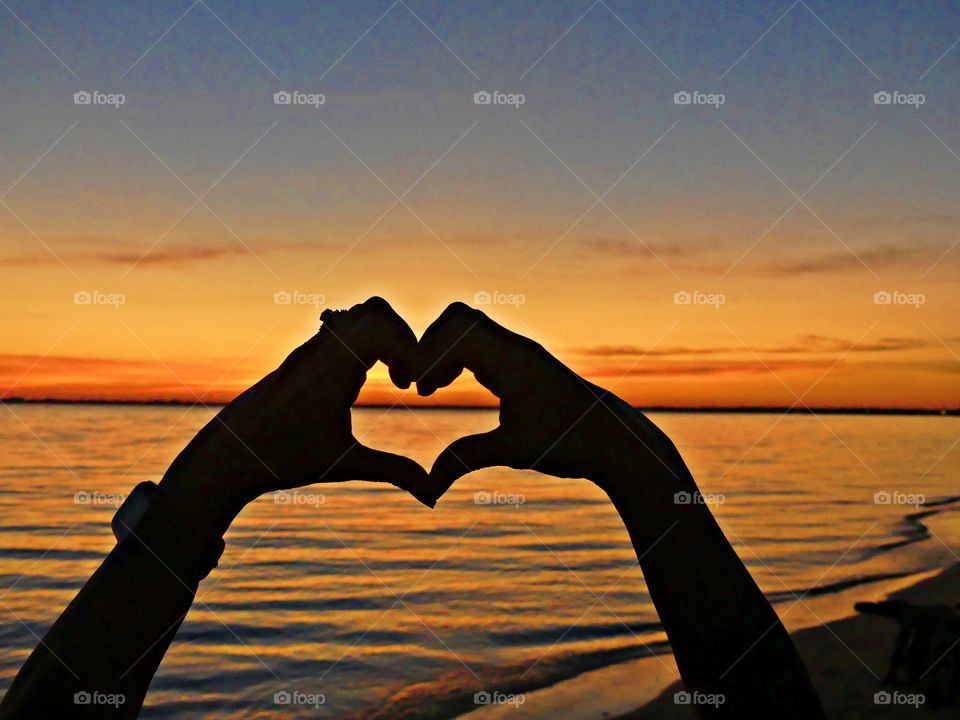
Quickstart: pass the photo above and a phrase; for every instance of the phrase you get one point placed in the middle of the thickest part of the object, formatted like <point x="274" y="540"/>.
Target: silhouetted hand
<point x="294" y="428"/>
<point x="725" y="636"/>
<point x="291" y="428"/>
<point x="551" y="419"/>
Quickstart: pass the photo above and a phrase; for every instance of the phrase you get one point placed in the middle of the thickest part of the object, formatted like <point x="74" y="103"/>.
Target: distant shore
<point x="744" y="410"/>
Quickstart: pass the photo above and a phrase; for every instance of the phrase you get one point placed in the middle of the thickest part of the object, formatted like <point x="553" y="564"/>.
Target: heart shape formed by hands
<point x="351" y="342"/>
<point x="297" y="421"/>
<point x="294" y="427"/>
<point x="551" y="419"/>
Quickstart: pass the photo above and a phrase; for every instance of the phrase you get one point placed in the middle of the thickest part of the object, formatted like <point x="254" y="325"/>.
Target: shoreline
<point x="846" y="659"/>
<point x="641" y="688"/>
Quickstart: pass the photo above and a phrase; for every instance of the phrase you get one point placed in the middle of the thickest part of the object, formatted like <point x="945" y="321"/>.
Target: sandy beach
<point x="846" y="659"/>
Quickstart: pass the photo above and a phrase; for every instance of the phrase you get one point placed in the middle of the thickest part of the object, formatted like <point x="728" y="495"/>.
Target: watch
<point x="188" y="554"/>
<point x="133" y="508"/>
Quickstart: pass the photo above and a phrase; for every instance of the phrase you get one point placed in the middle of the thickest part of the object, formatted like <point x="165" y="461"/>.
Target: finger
<point x="365" y="463"/>
<point x="463" y="337"/>
<point x="373" y="331"/>
<point x="469" y="453"/>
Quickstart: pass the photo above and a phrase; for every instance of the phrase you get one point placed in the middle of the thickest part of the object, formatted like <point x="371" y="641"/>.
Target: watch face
<point x="132" y="509"/>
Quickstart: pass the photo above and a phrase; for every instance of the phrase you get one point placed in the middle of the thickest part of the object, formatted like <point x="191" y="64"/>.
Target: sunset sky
<point x="179" y="245"/>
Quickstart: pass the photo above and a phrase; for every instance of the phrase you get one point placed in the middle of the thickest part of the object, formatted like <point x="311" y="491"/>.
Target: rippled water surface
<point x="358" y="593"/>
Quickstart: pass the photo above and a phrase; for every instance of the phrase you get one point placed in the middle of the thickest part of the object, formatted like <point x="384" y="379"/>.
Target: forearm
<point x="291" y="428"/>
<point x="110" y="640"/>
<point x="726" y="638"/>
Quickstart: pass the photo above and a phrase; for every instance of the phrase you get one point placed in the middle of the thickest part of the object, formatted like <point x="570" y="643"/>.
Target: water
<point x="358" y="593"/>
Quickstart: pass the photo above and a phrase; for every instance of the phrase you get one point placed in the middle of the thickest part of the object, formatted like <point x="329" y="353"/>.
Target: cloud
<point x="821" y="343"/>
<point x="846" y="260"/>
<point x="632" y="248"/>
<point x="759" y="368"/>
<point x="29" y="260"/>
<point x="636" y="351"/>
<point x="127" y="253"/>
<point x="805" y="344"/>
<point x="174" y="256"/>
<point x="75" y="377"/>
<point x="908" y="220"/>
<point x="719" y="367"/>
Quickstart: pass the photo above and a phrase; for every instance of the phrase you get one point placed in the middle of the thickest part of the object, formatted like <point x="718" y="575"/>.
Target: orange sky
<point x="583" y="218"/>
<point x="152" y="361"/>
<point x="207" y="324"/>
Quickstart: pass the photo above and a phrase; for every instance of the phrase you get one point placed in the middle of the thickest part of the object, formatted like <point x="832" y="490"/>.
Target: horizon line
<point x="733" y="409"/>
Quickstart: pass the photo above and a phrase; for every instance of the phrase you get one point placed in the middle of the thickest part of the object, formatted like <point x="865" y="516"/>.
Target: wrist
<point x="200" y="496"/>
<point x="208" y="483"/>
<point x="633" y="449"/>
<point x="171" y="533"/>
<point x="646" y="479"/>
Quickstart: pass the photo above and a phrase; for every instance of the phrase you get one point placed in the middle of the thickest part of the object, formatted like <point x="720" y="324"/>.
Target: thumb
<point x="469" y="453"/>
<point x="365" y="463"/>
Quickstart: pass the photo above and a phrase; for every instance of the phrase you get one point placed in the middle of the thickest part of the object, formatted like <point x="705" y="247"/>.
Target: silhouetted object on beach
<point x="927" y="649"/>
<point x="293" y="428"/>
